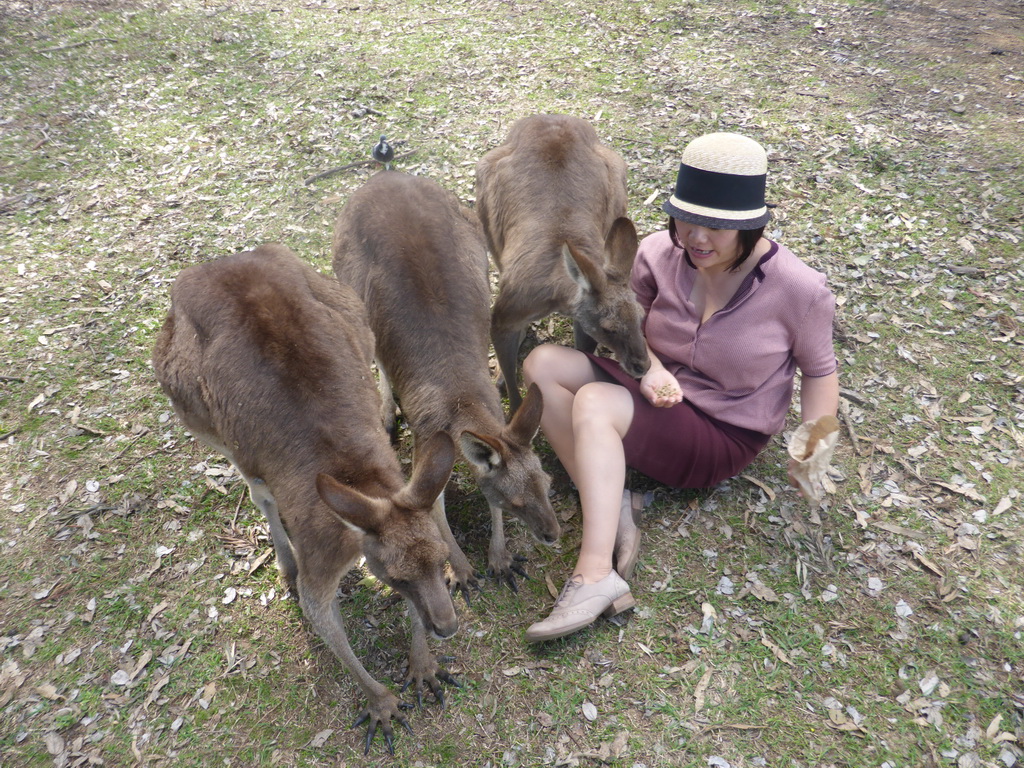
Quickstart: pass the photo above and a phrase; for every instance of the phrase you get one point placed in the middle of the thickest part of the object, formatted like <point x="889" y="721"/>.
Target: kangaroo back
<point x="417" y="259"/>
<point x="268" y="362"/>
<point x="552" y="204"/>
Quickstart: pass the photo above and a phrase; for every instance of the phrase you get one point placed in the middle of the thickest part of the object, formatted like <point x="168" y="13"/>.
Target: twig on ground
<point x="728" y="726"/>
<point x="439" y="19"/>
<point x="844" y="410"/>
<point x="631" y="140"/>
<point x="350" y="166"/>
<point x="853" y="397"/>
<point x="77" y="45"/>
<point x="900" y="530"/>
<point x="259" y="561"/>
<point x="8" y="203"/>
<point x="907" y="466"/>
<point x="970" y="271"/>
<point x="238" y="508"/>
<point x="131" y="442"/>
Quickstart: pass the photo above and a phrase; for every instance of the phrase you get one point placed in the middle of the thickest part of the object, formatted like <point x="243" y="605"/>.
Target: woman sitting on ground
<point x="730" y="317"/>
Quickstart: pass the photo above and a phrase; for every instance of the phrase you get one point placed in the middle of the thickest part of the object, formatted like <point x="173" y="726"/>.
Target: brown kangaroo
<point x="417" y="259"/>
<point x="552" y="202"/>
<point x="268" y="362"/>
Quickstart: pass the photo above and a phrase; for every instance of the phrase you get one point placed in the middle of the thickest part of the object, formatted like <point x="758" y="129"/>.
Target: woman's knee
<point x="592" y="398"/>
<point x="603" y="402"/>
<point x="547" y="362"/>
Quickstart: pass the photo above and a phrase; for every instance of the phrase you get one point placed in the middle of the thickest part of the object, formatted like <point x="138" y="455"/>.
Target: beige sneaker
<point x="580" y="604"/>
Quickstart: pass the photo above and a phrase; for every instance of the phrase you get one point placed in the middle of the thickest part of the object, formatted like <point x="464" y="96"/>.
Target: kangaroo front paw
<point x="462" y="576"/>
<point x="464" y="581"/>
<point x="379" y="714"/>
<point x="428" y="673"/>
<point x="506" y="568"/>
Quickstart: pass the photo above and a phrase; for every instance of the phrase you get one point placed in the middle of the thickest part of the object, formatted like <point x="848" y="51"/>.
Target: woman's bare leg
<point x="602" y="413"/>
<point x="585" y="421"/>
<point x="559" y="372"/>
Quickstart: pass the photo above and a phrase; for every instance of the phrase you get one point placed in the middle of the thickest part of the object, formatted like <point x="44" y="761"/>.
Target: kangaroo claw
<point x="445" y="676"/>
<point x="370" y="733"/>
<point x="462" y="586"/>
<point x="505" y="567"/>
<point x="429" y="674"/>
<point x="379" y="714"/>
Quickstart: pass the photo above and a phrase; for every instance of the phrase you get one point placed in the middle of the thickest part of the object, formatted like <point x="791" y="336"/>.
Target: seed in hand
<point x="665" y="390"/>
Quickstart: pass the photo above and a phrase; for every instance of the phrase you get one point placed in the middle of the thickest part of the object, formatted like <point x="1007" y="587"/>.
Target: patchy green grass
<point x="885" y="631"/>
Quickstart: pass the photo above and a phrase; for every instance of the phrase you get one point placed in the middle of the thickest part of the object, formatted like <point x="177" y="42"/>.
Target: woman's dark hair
<point x="748" y="241"/>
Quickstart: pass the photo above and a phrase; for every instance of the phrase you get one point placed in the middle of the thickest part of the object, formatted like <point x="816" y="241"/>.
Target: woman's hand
<point x="818" y="396"/>
<point x="660" y="387"/>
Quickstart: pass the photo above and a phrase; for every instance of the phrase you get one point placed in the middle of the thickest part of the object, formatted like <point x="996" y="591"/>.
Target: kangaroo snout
<point x="546" y="530"/>
<point x="548" y="539"/>
<point x="635" y="366"/>
<point x="438" y="614"/>
<point x="445" y="629"/>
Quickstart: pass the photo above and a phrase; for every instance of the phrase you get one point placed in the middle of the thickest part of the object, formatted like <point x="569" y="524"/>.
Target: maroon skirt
<point x="681" y="446"/>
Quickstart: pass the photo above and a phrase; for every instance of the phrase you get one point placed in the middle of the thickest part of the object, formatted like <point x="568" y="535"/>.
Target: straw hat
<point x="721" y="183"/>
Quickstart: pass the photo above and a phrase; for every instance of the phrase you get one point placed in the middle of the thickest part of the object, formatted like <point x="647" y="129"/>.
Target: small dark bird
<point x="383" y="153"/>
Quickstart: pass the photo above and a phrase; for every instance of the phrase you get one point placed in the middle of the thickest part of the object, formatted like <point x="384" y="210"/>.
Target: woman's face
<point x="711" y="249"/>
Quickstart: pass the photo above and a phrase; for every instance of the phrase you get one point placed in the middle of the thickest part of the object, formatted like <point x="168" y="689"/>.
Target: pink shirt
<point x="739" y="366"/>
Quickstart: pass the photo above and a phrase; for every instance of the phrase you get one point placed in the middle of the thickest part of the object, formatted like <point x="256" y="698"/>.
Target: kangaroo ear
<point x="526" y="421"/>
<point x="432" y="467"/>
<point x="351" y="507"/>
<point x="484" y="451"/>
<point x="582" y="269"/>
<point x="620" y="245"/>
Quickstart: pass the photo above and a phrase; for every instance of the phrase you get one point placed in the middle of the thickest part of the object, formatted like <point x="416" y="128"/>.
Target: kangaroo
<point x="268" y="362"/>
<point x="552" y="202"/>
<point x="417" y="259"/>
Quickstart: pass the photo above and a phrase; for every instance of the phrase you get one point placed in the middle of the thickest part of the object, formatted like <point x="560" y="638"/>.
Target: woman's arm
<point x="819" y="396"/>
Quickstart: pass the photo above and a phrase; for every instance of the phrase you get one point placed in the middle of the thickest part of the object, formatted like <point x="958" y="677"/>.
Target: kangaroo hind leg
<point x="267" y="504"/>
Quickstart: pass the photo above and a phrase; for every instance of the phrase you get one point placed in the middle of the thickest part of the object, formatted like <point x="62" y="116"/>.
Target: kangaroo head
<point x="607" y="308"/>
<point x="401" y="542"/>
<point x="509" y="473"/>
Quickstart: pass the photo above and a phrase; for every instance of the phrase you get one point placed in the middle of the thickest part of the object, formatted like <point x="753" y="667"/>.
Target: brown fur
<point x="417" y="259"/>
<point x="268" y="362"/>
<point x="552" y="203"/>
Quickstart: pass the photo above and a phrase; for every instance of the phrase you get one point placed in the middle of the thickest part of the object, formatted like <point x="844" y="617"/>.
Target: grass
<point x="138" y="140"/>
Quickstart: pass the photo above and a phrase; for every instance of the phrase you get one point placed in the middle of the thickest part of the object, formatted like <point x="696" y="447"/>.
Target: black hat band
<point x="723" y="191"/>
